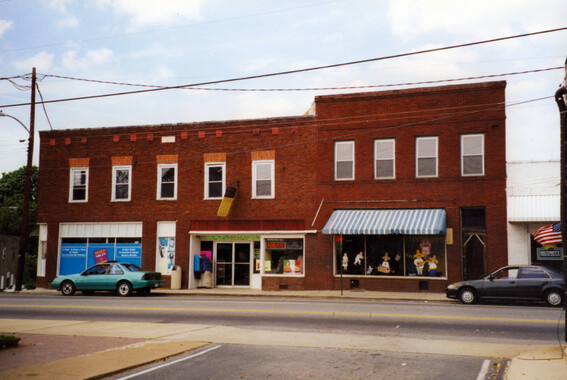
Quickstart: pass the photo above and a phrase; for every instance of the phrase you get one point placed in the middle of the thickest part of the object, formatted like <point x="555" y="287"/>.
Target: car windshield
<point x="131" y="267"/>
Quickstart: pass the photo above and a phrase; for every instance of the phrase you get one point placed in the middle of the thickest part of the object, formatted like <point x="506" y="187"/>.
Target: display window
<point x="392" y="255"/>
<point x="283" y="256"/>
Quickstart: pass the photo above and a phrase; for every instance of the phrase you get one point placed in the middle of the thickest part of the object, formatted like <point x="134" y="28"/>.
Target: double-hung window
<point x="79" y="184"/>
<point x="215" y="179"/>
<point x="472" y="155"/>
<point x="263" y="179"/>
<point x="344" y="160"/>
<point x="426" y="153"/>
<point x="121" y="183"/>
<point x="167" y="182"/>
<point x="385" y="159"/>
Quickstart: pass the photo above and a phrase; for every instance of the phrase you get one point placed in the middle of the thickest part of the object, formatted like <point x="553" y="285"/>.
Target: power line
<point x="299" y="70"/>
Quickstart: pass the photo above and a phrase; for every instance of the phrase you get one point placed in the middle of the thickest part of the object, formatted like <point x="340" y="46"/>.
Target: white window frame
<point x="465" y="154"/>
<point x="210" y="165"/>
<point x="420" y="155"/>
<point x="72" y="172"/>
<point x="114" y="184"/>
<point x="272" y="178"/>
<point x="159" y="183"/>
<point x="392" y="158"/>
<point x="344" y="143"/>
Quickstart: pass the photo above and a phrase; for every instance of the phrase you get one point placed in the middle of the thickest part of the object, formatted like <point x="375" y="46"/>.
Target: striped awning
<point x="387" y="222"/>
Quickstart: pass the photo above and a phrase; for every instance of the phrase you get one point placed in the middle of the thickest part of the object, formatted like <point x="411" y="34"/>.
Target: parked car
<point x="124" y="278"/>
<point x="515" y="282"/>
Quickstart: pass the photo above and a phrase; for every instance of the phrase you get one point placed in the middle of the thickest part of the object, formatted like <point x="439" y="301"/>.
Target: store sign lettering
<point x="552" y="253"/>
<point x="232" y="237"/>
<point x="275" y="245"/>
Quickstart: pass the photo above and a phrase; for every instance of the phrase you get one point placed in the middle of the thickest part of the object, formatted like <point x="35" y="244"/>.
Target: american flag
<point x="548" y="235"/>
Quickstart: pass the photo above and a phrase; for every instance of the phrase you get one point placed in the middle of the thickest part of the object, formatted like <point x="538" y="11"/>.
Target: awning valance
<point x="387" y="222"/>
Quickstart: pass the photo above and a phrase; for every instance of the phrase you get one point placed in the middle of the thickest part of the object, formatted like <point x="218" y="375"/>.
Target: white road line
<point x="483" y="370"/>
<point x="170" y="363"/>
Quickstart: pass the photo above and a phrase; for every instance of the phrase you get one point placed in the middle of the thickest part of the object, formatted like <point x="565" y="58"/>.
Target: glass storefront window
<point x="392" y="255"/>
<point x="283" y="256"/>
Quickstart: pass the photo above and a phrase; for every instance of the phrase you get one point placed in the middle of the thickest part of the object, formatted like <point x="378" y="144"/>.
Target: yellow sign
<point x="229" y="196"/>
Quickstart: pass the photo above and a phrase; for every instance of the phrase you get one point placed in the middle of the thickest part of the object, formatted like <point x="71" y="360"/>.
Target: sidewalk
<point x="81" y="350"/>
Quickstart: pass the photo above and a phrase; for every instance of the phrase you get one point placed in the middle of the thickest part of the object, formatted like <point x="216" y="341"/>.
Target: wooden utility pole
<point x="27" y="192"/>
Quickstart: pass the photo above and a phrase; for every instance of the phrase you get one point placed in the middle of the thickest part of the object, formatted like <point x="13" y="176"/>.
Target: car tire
<point x="468" y="296"/>
<point x="67" y="288"/>
<point x="124" y="288"/>
<point x="554" y="297"/>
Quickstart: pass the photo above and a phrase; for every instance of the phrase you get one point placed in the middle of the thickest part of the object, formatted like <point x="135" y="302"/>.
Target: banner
<point x="224" y="207"/>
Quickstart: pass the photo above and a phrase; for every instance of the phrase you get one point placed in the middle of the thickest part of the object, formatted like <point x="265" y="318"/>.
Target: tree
<point x="11" y="200"/>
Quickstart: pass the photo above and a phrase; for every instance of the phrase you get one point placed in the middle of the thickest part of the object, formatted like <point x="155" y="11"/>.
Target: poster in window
<point x="166" y="254"/>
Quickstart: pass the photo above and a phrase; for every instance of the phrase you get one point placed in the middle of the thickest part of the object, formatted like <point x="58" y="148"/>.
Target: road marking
<point x="168" y="364"/>
<point x="483" y="370"/>
<point x="299" y="312"/>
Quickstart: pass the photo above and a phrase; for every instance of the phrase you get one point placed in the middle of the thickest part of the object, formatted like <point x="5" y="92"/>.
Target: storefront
<point x="395" y="243"/>
<point x="85" y="244"/>
<point x="241" y="259"/>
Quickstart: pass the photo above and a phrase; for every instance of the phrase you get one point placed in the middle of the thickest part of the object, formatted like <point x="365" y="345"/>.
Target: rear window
<point x="533" y="273"/>
<point x="132" y="267"/>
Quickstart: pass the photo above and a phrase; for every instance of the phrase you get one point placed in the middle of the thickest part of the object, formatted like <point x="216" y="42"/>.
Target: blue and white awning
<point x="387" y="222"/>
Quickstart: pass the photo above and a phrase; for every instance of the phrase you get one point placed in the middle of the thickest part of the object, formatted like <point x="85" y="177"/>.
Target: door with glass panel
<point x="233" y="264"/>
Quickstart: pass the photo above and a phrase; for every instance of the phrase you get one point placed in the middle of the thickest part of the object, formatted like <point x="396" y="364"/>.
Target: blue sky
<point x="176" y="42"/>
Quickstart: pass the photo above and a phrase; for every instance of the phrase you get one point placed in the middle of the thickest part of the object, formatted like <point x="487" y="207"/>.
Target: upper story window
<point x="472" y="155"/>
<point x="167" y="181"/>
<point x="344" y="160"/>
<point x="215" y="179"/>
<point x="385" y="158"/>
<point x="426" y="156"/>
<point x="121" y="183"/>
<point x="263" y="179"/>
<point x="79" y="184"/>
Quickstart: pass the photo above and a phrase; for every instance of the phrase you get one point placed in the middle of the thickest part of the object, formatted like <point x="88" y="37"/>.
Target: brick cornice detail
<point x="75" y="162"/>
<point x="167" y="159"/>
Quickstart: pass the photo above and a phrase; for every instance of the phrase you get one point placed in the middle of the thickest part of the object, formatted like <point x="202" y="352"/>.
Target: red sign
<point x="275" y="245"/>
<point x="100" y="256"/>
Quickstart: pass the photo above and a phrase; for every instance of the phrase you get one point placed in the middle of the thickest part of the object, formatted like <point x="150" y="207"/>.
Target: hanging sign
<point x="229" y="196"/>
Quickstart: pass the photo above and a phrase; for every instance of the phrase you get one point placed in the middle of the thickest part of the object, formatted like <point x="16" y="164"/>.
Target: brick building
<point x="412" y="180"/>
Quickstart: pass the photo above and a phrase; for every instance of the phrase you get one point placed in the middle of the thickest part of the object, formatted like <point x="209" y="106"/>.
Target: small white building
<point x="533" y="194"/>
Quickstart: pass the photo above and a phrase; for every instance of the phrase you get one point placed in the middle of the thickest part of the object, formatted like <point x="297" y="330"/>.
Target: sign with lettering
<point x="550" y="252"/>
<point x="100" y="255"/>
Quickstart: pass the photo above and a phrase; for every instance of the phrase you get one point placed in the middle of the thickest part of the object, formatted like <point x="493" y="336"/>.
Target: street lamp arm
<point x="18" y="120"/>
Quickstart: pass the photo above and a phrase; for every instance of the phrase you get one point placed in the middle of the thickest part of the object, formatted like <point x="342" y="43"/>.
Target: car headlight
<point x="452" y="286"/>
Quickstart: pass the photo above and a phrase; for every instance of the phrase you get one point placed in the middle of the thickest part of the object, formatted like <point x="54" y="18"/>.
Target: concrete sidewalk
<point x="79" y="350"/>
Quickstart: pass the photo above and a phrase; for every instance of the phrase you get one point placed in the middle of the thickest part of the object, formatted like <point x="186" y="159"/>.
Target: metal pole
<point x="560" y="100"/>
<point x="27" y="193"/>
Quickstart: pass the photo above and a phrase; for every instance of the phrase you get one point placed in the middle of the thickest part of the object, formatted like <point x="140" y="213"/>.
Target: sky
<point x="185" y="42"/>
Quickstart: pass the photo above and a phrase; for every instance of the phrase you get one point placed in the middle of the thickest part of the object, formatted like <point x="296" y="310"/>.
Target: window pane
<point x="427" y="147"/>
<point x="121" y="192"/>
<point x="344" y="169"/>
<point x="263" y="171"/>
<point x="472" y="145"/>
<point x="168" y="174"/>
<point x="264" y="188"/>
<point x="384" y="149"/>
<point x="344" y="151"/>
<point x="215" y="173"/>
<point x="122" y="176"/>
<point x="384" y="169"/>
<point x="472" y="165"/>
<point x="79" y="193"/>
<point x="427" y="167"/>
<point x="215" y="190"/>
<point x="79" y="177"/>
<point x="167" y="190"/>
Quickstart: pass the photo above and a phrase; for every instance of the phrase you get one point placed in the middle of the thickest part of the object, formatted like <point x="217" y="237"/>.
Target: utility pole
<point x="560" y="100"/>
<point x="27" y="192"/>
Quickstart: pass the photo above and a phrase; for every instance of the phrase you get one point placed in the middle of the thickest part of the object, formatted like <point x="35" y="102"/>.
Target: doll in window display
<point x="432" y="261"/>
<point x="419" y="262"/>
<point x="345" y="262"/>
<point x="385" y="266"/>
<point x="358" y="264"/>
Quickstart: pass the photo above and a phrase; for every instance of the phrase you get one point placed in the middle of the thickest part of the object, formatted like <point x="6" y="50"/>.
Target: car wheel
<point x="467" y="296"/>
<point x="124" y="289"/>
<point x="67" y="288"/>
<point x="554" y="298"/>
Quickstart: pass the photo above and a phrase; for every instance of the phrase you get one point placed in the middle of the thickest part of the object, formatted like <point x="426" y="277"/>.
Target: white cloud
<point x="60" y="5"/>
<point x="42" y="61"/>
<point x="98" y="57"/>
<point x="68" y="22"/>
<point x="151" y="12"/>
<point x="4" y="26"/>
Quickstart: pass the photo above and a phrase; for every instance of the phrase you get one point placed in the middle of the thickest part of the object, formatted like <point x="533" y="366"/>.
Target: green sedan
<point x="124" y="278"/>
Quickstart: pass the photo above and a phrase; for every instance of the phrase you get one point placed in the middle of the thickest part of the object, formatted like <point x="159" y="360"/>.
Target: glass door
<point x="233" y="264"/>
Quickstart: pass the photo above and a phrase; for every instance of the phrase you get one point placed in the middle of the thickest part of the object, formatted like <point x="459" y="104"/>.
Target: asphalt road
<point x="491" y="323"/>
